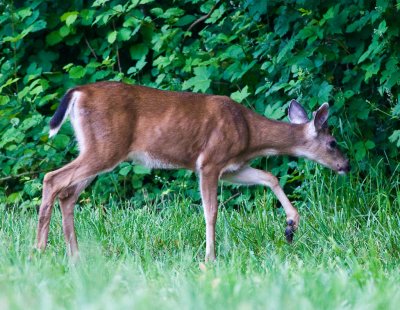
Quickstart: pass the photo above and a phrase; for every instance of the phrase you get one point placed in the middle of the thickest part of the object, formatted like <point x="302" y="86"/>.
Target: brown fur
<point x="211" y="135"/>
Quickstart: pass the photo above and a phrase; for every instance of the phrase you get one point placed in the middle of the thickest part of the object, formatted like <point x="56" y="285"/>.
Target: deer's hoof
<point x="289" y="231"/>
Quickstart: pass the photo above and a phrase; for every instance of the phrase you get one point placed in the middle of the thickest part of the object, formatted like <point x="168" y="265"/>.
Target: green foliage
<point x="260" y="53"/>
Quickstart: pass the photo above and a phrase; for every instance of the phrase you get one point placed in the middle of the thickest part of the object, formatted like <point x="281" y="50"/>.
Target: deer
<point x="211" y="135"/>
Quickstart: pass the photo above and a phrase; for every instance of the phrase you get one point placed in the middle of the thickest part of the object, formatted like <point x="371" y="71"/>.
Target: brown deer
<point x="211" y="135"/>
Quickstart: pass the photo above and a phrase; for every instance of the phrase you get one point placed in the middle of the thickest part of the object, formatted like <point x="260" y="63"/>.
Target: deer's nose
<point x="344" y="168"/>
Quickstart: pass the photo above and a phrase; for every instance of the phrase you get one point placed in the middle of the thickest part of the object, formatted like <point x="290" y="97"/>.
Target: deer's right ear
<point x="321" y="116"/>
<point x="296" y="113"/>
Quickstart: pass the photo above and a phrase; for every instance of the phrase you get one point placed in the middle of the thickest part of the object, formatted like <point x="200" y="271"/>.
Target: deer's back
<point x="163" y="129"/>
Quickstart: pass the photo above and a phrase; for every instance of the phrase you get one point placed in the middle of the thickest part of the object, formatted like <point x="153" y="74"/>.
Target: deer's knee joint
<point x="272" y="181"/>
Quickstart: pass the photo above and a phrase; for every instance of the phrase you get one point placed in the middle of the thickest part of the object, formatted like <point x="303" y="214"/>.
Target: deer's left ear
<point x="296" y="113"/>
<point x="321" y="116"/>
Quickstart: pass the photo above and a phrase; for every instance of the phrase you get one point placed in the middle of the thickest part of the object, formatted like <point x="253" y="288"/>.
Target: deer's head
<point x="318" y="144"/>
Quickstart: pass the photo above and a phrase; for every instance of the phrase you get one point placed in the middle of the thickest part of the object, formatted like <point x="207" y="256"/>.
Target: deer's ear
<point x="321" y="116"/>
<point x="296" y="113"/>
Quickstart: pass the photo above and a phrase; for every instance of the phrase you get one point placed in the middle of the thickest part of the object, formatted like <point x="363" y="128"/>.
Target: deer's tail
<point x="61" y="113"/>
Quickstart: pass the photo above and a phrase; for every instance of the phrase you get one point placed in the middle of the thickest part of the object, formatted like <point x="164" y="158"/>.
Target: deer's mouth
<point x="343" y="170"/>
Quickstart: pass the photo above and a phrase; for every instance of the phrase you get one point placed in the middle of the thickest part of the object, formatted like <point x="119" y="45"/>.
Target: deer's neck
<point x="270" y="137"/>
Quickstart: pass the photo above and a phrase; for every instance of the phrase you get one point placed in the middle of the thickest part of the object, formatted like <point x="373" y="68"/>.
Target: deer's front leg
<point x="208" y="189"/>
<point x="251" y="176"/>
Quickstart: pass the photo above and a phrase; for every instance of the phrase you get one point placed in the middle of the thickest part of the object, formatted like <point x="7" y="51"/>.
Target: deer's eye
<point x="332" y="144"/>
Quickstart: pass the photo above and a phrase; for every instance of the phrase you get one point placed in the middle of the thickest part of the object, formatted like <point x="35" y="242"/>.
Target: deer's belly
<point x="152" y="161"/>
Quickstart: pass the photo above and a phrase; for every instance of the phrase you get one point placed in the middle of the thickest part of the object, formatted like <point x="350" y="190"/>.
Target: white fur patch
<point x="304" y="151"/>
<point x="270" y="152"/>
<point x="310" y="155"/>
<point x="150" y="161"/>
<point x="309" y="130"/>
<point x="231" y="168"/>
<point x="199" y="161"/>
<point x="76" y="120"/>
<point x="54" y="131"/>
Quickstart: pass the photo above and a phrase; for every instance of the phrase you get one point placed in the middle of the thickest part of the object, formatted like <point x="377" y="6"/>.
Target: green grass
<point x="345" y="255"/>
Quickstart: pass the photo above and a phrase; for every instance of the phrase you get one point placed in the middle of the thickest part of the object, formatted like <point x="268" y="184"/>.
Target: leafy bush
<point x="261" y="55"/>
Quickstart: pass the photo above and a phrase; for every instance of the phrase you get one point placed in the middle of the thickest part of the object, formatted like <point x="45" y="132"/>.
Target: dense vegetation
<point x="261" y="54"/>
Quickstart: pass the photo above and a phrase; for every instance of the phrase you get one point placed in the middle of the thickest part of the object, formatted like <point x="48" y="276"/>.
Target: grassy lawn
<point x="345" y="255"/>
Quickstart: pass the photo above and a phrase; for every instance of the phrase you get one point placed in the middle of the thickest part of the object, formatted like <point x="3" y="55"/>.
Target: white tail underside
<point x="74" y="99"/>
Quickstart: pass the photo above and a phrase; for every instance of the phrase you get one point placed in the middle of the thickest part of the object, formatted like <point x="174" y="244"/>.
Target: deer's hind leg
<point x="68" y="198"/>
<point x="71" y="176"/>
